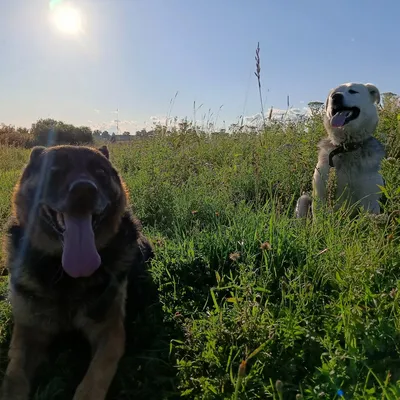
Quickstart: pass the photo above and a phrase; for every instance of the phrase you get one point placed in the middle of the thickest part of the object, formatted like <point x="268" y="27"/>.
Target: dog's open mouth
<point x="80" y="257"/>
<point x="343" y="115"/>
<point x="56" y="219"/>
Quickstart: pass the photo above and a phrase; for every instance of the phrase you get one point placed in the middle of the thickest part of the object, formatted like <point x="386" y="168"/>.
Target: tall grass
<point x="255" y="304"/>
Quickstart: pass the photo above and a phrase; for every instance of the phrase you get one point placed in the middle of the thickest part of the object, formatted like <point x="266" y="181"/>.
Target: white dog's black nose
<point x="337" y="99"/>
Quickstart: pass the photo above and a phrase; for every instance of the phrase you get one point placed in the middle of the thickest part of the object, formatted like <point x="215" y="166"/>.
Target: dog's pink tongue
<point x="339" y="119"/>
<point x="80" y="257"/>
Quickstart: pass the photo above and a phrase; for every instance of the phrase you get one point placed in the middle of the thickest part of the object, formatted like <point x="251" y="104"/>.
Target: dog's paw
<point x="15" y="388"/>
<point x="87" y="393"/>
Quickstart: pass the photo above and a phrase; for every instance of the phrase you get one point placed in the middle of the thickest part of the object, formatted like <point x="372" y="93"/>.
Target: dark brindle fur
<point x="50" y="291"/>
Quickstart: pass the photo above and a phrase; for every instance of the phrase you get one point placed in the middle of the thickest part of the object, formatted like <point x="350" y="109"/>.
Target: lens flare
<point x="66" y="18"/>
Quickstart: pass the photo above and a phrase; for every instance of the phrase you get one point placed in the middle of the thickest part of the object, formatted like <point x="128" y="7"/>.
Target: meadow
<point x="253" y="304"/>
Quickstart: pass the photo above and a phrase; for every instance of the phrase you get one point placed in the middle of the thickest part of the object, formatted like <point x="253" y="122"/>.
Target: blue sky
<point x="136" y="54"/>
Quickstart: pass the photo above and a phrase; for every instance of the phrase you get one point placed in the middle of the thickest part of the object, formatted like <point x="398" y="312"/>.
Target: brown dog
<point x="71" y="245"/>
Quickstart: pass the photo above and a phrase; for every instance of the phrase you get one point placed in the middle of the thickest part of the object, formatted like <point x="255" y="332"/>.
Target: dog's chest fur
<point x="357" y="170"/>
<point x="40" y="280"/>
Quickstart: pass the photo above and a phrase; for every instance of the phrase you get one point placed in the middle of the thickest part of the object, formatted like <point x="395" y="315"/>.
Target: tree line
<point x="46" y="132"/>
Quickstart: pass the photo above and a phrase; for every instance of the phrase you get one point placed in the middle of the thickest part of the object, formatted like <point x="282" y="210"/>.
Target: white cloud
<point x="160" y="119"/>
<point x="128" y="122"/>
<point x="111" y="126"/>
<point x="255" y="120"/>
<point x="97" y="111"/>
<point x="277" y="114"/>
<point x="174" y="121"/>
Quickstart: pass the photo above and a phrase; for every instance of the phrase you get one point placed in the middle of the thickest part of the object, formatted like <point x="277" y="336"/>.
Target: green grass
<point x="254" y="303"/>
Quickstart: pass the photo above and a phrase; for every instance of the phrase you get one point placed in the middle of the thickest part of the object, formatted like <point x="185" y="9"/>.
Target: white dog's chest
<point x="357" y="181"/>
<point x="357" y="186"/>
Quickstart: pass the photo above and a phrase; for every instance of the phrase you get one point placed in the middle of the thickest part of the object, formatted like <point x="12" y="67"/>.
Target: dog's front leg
<point x="320" y="182"/>
<point x="27" y="350"/>
<point x="107" y="340"/>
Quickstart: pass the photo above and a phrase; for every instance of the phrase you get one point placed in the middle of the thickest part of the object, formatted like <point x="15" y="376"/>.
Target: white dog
<point x="350" y="119"/>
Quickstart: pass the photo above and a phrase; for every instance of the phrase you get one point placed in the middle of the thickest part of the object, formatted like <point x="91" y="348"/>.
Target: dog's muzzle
<point x="340" y="113"/>
<point x="82" y="196"/>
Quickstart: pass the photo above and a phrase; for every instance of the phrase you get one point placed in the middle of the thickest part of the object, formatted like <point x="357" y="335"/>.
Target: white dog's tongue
<point x="80" y="257"/>
<point x="339" y="119"/>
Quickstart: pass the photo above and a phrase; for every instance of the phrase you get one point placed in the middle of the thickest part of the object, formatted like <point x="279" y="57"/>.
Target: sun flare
<point x="67" y="19"/>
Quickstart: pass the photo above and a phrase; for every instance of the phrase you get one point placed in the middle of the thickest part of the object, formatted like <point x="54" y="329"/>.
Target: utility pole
<point x="117" y="120"/>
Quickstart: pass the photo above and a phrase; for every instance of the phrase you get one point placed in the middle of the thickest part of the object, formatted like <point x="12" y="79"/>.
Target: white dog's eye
<point x="351" y="91"/>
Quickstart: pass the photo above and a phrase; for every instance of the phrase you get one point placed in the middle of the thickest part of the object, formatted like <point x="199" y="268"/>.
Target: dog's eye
<point x="351" y="91"/>
<point x="100" y="171"/>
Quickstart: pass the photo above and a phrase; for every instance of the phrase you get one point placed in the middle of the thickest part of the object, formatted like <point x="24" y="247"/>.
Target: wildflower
<point x="279" y="386"/>
<point x="266" y="246"/>
<point x="160" y="242"/>
<point x="242" y="369"/>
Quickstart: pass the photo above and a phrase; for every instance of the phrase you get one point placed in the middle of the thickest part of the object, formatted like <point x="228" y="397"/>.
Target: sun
<point x="67" y="19"/>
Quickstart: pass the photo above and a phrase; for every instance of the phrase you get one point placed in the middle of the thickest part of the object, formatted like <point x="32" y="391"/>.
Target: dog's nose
<point x="82" y="196"/>
<point x="83" y="188"/>
<point x="337" y="98"/>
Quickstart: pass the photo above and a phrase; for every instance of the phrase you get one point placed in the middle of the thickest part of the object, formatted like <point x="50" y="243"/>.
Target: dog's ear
<point x="327" y="99"/>
<point x="104" y="150"/>
<point x="374" y="92"/>
<point x="35" y="153"/>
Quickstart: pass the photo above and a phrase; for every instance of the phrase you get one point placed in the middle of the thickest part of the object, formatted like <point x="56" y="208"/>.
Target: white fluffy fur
<point x="357" y="172"/>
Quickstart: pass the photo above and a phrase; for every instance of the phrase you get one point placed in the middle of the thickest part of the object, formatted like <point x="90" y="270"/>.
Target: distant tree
<point x="390" y="99"/>
<point x="11" y="136"/>
<point x="85" y="134"/>
<point x="389" y="123"/>
<point x="126" y="133"/>
<point x="388" y="95"/>
<point x="43" y="131"/>
<point x="47" y="132"/>
<point x="7" y="129"/>
<point x="23" y="131"/>
<point x="142" y="133"/>
<point x="105" y="135"/>
<point x="315" y="107"/>
<point x="97" y="133"/>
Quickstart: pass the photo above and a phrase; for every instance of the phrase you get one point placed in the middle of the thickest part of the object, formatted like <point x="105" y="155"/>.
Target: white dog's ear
<point x="327" y="99"/>
<point x="374" y="92"/>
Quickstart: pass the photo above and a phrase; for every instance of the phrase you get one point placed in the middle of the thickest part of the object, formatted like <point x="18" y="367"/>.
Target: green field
<point x="254" y="303"/>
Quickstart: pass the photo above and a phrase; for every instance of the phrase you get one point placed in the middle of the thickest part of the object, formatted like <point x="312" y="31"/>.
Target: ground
<point x="253" y="303"/>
